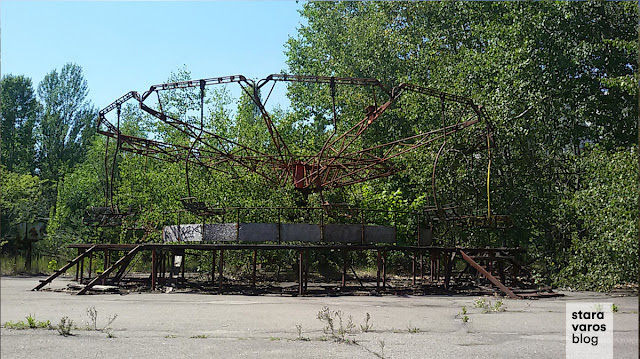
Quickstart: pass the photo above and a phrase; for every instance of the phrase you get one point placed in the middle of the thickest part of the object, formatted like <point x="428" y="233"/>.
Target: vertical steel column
<point x="413" y="268"/>
<point x="106" y="260"/>
<point x="300" y="260"/>
<point x="161" y="265"/>
<point x="378" y="273"/>
<point x="184" y="259"/>
<point x="220" y="271"/>
<point x="78" y="265"/>
<point x="90" y="265"/>
<point x="384" y="269"/>
<point x="81" y="269"/>
<point x="213" y="267"/>
<point x="253" y="275"/>
<point x="154" y="269"/>
<point x="421" y="267"/>
<point x="306" y="270"/>
<point x="345" y="254"/>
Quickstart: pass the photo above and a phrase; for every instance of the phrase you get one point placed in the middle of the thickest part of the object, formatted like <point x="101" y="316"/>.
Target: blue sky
<point x="124" y="46"/>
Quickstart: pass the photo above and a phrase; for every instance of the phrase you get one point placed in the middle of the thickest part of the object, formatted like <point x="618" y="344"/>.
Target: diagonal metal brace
<point x="488" y="275"/>
<point x="105" y="274"/>
<point x="64" y="269"/>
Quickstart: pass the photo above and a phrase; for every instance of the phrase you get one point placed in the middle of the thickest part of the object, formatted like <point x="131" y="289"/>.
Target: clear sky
<point x="124" y="46"/>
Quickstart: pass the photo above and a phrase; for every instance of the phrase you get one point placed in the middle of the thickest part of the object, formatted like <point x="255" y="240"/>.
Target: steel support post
<point x="384" y="269"/>
<point x="300" y="260"/>
<point x="154" y="269"/>
<point x="78" y="264"/>
<point x="254" y="268"/>
<point x="213" y="267"/>
<point x="345" y="255"/>
<point x="413" y="268"/>
<point x="220" y="272"/>
<point x="378" y="272"/>
<point x="90" y="265"/>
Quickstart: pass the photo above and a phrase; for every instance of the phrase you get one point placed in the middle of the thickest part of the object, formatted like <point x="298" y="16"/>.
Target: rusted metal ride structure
<point x="343" y="160"/>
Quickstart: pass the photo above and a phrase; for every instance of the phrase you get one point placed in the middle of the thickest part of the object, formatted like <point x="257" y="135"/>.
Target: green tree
<point x="67" y="124"/>
<point x="22" y="201"/>
<point x="19" y="115"/>
<point x="603" y="218"/>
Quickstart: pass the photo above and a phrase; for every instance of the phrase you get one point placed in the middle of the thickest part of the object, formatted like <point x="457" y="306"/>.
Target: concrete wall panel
<point x="182" y="233"/>
<point x="343" y="233"/>
<point x="379" y="234"/>
<point x="258" y="232"/>
<point x="221" y="232"/>
<point x="299" y="232"/>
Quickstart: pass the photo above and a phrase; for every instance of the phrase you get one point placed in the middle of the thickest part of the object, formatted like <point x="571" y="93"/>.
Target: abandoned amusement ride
<point x="343" y="160"/>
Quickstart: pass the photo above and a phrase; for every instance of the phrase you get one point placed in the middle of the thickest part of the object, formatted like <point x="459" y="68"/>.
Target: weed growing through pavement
<point x="300" y="337"/>
<point x="366" y="327"/>
<point x="92" y="313"/>
<point x="338" y="333"/>
<point x="489" y="306"/>
<point x="31" y="323"/>
<point x="199" y="336"/>
<point x="614" y="308"/>
<point x="64" y="328"/>
<point x="381" y="344"/>
<point x="412" y="329"/>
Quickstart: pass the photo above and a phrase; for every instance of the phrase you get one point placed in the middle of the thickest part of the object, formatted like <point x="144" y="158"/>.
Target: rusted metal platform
<point x="168" y="264"/>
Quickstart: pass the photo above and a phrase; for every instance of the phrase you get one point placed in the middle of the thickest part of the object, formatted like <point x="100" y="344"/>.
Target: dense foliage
<point x="558" y="79"/>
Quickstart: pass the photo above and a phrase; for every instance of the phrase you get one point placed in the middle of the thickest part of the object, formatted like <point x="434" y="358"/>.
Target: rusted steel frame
<point x="193" y="144"/>
<point x="243" y="82"/>
<point x="127" y="258"/>
<point x="346" y="139"/>
<point x="488" y="275"/>
<point x="449" y="130"/>
<point x="106" y="172"/>
<point x="360" y="180"/>
<point x="146" y="150"/>
<point x="323" y="79"/>
<point x="433" y="174"/>
<point x="213" y="149"/>
<point x="281" y="146"/>
<point x="431" y="92"/>
<point x="117" y="103"/>
<point x="176" y="156"/>
<point x="113" y="164"/>
<point x="195" y="83"/>
<point x="390" y="156"/>
<point x="189" y="130"/>
<point x="66" y="267"/>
